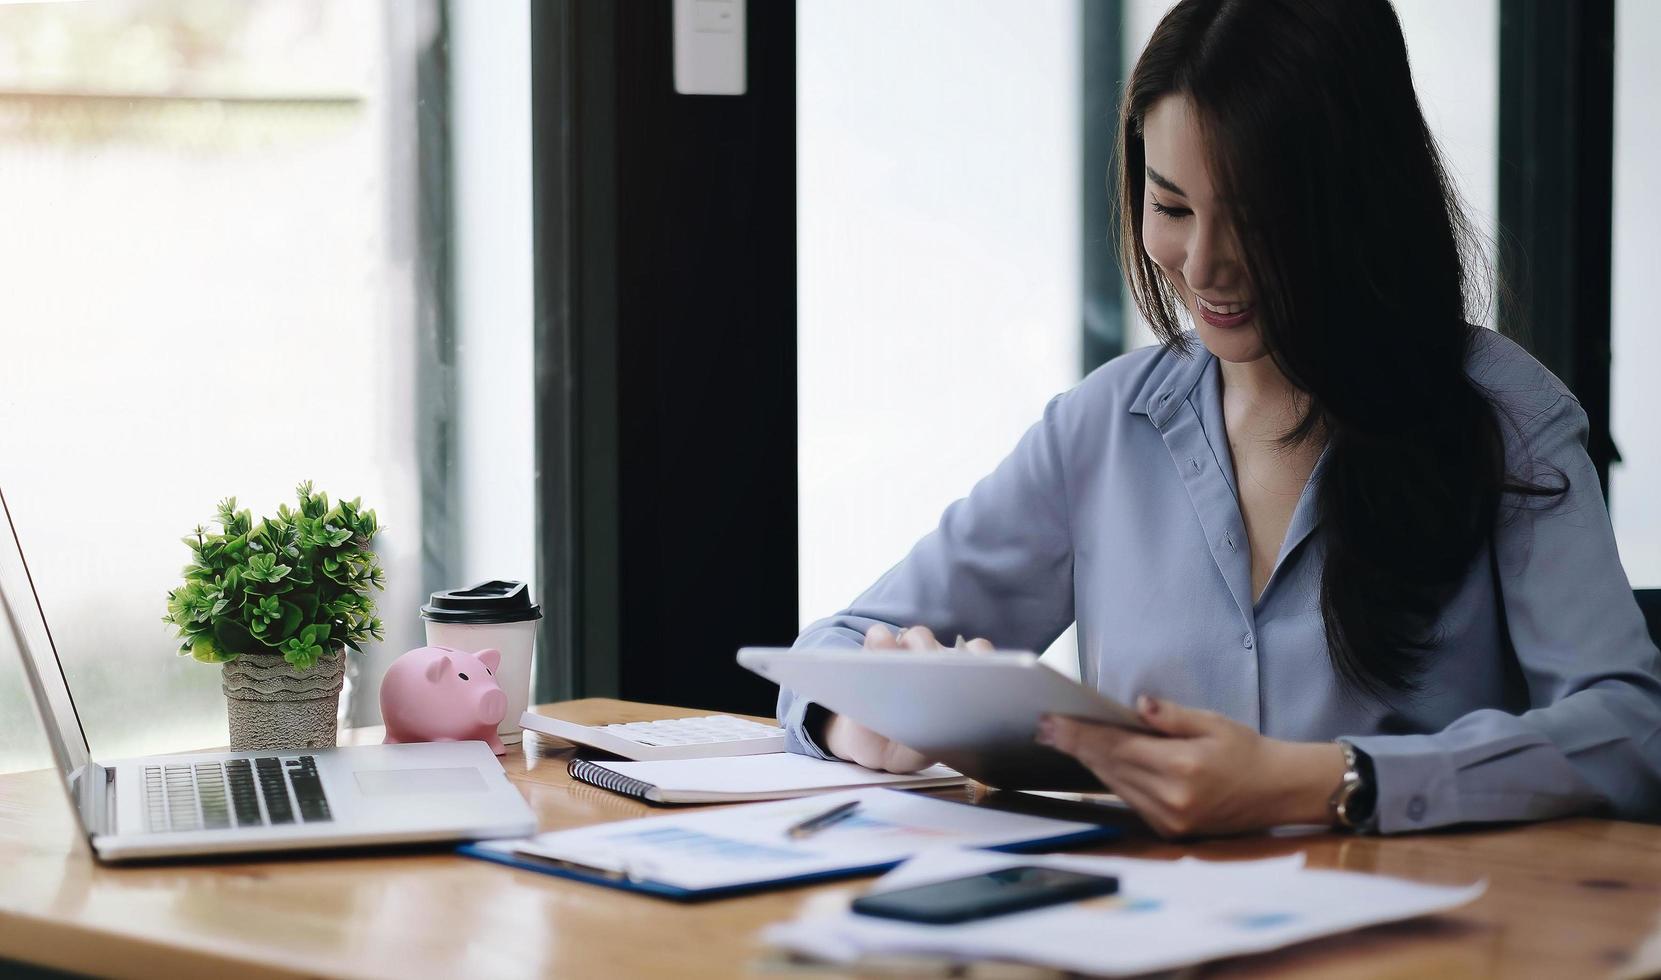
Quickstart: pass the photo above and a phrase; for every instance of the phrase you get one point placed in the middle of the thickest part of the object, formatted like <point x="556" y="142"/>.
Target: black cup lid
<point x="487" y="602"/>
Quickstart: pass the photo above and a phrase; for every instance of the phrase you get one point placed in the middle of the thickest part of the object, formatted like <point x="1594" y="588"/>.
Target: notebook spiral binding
<point x="604" y="778"/>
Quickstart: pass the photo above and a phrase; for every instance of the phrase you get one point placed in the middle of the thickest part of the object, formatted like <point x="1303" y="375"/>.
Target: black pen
<point x="812" y="825"/>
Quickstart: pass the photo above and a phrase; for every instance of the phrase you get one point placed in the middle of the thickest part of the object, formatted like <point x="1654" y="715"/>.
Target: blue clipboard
<point x="530" y="862"/>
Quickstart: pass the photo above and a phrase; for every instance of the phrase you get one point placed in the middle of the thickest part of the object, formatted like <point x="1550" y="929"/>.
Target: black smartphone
<point x="985" y="895"/>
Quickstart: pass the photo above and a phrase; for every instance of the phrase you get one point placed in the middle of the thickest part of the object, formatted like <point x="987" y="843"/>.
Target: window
<point x="938" y="255"/>
<point x="1635" y="481"/>
<point x="229" y="227"/>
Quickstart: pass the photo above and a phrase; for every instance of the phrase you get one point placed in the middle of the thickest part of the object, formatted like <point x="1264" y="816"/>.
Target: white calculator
<point x="708" y="737"/>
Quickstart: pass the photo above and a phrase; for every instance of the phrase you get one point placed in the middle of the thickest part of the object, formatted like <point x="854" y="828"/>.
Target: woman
<point x="1344" y="550"/>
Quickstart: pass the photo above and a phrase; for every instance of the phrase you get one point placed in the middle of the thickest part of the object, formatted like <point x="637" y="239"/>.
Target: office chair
<point x="1649" y="600"/>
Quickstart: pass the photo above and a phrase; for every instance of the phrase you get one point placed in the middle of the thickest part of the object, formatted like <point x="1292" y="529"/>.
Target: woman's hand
<point x="1203" y="774"/>
<point x="848" y="739"/>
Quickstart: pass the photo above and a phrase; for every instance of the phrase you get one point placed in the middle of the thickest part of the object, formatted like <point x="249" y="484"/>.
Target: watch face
<point x="1353" y="801"/>
<point x="1343" y="807"/>
<point x="1342" y="798"/>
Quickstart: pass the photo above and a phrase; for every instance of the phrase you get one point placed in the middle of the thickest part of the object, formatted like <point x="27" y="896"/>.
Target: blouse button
<point x="1248" y="642"/>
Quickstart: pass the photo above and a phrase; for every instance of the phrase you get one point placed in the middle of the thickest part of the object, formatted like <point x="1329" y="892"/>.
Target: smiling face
<point x="1188" y="234"/>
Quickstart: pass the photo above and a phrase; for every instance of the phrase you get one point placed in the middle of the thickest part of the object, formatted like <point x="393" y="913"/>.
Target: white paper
<point x="1168" y="914"/>
<point x="776" y="774"/>
<point x="738" y="845"/>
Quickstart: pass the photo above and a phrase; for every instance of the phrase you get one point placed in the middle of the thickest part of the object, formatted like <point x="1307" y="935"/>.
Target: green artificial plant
<point x="297" y="584"/>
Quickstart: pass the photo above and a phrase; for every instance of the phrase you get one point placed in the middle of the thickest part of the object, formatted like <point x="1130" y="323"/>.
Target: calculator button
<point x="691" y="731"/>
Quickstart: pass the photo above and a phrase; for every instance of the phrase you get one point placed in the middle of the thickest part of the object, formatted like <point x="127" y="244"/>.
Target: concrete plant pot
<point x="273" y="706"/>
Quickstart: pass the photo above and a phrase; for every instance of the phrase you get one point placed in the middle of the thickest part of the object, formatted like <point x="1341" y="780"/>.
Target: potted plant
<point x="278" y="604"/>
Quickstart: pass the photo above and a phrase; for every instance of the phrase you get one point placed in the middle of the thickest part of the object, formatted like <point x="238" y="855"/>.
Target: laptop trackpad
<point x="391" y="782"/>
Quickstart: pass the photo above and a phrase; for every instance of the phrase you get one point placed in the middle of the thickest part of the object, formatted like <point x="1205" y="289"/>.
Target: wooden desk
<point x="1572" y="898"/>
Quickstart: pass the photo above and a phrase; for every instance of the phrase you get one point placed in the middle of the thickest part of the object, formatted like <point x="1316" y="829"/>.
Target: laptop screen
<point x="25" y="631"/>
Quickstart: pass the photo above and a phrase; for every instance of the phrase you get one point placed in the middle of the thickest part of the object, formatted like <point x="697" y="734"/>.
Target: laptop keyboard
<point x="268" y="791"/>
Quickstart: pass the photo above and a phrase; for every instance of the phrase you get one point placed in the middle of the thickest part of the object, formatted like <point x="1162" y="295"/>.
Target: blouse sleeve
<point x="999" y="566"/>
<point x="1591" y="739"/>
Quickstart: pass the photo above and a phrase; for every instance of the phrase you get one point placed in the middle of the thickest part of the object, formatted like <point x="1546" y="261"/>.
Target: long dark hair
<point x="1359" y="256"/>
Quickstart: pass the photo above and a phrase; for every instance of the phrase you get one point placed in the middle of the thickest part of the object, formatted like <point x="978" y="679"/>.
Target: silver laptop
<point x="228" y="802"/>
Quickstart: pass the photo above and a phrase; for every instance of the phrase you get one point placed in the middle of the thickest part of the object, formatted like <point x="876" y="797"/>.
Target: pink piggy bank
<point x="435" y="694"/>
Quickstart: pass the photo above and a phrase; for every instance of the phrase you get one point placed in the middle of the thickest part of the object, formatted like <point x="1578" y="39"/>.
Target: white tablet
<point x="975" y="712"/>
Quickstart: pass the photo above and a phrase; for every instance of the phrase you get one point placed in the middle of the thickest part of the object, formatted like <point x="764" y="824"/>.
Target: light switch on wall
<point x="715" y="16"/>
<point x="709" y="47"/>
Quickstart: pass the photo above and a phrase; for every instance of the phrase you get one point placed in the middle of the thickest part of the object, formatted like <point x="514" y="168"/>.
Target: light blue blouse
<point x="1118" y="509"/>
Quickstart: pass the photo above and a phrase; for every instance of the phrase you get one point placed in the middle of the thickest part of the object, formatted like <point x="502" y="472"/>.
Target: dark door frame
<point x="1103" y="71"/>
<point x="1556" y="194"/>
<point x="666" y="357"/>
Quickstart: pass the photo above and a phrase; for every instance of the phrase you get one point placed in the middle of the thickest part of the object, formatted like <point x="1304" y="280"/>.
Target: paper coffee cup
<point x="491" y="615"/>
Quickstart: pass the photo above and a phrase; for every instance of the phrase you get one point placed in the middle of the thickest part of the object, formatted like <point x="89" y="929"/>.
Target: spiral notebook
<point x="779" y="776"/>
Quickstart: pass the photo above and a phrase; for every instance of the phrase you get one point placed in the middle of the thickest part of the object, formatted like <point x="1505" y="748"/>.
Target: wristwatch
<point x="1353" y="803"/>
